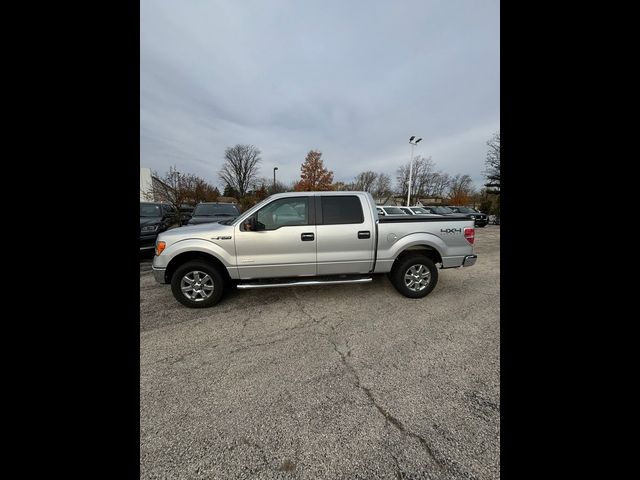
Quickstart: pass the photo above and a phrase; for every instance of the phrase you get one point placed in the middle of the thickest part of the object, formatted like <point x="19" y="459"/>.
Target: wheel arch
<point x="184" y="257"/>
<point x="420" y="249"/>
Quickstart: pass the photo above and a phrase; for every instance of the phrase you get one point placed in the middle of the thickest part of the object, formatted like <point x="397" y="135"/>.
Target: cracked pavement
<point x="348" y="381"/>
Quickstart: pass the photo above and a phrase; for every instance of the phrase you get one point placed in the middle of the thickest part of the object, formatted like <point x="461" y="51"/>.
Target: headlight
<point x="160" y="246"/>
<point x="149" y="228"/>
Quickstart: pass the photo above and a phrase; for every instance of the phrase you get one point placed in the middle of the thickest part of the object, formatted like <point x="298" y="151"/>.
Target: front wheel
<point x="197" y="284"/>
<point x="414" y="276"/>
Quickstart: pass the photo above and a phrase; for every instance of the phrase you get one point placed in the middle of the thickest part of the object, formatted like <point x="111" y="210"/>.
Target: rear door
<point x="345" y="232"/>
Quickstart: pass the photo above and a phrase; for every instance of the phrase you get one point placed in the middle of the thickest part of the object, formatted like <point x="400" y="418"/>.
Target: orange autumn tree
<point x="313" y="176"/>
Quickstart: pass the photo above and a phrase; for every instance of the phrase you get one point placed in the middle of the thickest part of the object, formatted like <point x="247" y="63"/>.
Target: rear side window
<point x="341" y="209"/>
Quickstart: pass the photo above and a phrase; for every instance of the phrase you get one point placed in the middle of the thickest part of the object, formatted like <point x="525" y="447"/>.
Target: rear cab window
<point x="341" y="209"/>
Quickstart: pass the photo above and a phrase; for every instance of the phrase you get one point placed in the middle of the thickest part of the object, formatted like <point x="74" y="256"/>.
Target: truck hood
<point x="198" y="219"/>
<point x="205" y="230"/>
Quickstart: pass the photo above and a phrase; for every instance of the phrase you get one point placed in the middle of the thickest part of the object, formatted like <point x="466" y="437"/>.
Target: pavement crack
<point x="252" y="345"/>
<point x="388" y="416"/>
<point x="399" y="474"/>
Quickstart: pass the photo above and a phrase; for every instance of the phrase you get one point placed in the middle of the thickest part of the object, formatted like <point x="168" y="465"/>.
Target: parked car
<point x="391" y="210"/>
<point x="337" y="238"/>
<point x="480" y="219"/>
<point x="416" y="211"/>
<point x="209" y="212"/>
<point x="186" y="212"/>
<point x="155" y="217"/>
<point x="439" y="210"/>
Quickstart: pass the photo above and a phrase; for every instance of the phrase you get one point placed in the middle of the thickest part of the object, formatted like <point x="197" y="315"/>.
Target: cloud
<point x="352" y="79"/>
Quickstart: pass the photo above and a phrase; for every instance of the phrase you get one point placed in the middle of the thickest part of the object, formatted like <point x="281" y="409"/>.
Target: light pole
<point x="274" y="179"/>
<point x="413" y="143"/>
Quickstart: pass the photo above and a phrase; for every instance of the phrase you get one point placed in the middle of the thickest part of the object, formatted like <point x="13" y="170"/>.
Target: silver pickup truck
<point x="310" y="238"/>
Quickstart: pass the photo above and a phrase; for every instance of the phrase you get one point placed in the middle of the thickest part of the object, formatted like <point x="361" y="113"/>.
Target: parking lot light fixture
<point x="413" y="144"/>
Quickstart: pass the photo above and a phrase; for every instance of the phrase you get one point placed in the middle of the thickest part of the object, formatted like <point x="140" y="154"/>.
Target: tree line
<point x="240" y="177"/>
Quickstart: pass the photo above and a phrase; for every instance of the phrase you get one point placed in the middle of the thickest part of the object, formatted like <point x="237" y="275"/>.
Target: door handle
<point x="364" y="234"/>
<point x="307" y="237"/>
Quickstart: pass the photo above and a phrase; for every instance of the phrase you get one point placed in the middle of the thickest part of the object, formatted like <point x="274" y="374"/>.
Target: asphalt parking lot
<point x="349" y="381"/>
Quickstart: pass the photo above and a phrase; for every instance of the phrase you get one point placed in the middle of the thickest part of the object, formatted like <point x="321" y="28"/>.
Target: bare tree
<point x="167" y="188"/>
<point x="382" y="188"/>
<point x="343" y="187"/>
<point x="460" y="189"/>
<point x="365" y="181"/>
<point x="279" y="187"/>
<point x="241" y="168"/>
<point x="180" y="188"/>
<point x="422" y="177"/>
<point x="402" y="178"/>
<point x="492" y="173"/>
<point x="268" y="183"/>
<point x="441" y="182"/>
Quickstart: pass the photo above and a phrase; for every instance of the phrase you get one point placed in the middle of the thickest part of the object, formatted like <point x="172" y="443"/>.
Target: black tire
<point x="410" y="265"/>
<point x="208" y="287"/>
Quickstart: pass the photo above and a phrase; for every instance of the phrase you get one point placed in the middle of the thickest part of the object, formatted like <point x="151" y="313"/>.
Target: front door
<point x="284" y="245"/>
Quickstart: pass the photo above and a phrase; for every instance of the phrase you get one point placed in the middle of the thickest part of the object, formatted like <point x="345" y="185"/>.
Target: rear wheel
<point x="197" y="284"/>
<point x="414" y="276"/>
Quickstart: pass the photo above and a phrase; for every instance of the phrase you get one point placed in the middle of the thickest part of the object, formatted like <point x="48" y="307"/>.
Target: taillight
<point x="470" y="235"/>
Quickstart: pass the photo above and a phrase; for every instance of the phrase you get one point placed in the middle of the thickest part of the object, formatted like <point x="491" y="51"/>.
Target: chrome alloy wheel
<point x="197" y="286"/>
<point x="417" y="277"/>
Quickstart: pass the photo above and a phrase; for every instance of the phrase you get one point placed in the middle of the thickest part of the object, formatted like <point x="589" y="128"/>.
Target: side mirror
<point x="256" y="226"/>
<point x="251" y="224"/>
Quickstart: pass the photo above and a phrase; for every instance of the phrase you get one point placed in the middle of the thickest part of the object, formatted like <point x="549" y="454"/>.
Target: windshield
<point x="441" y="210"/>
<point x="419" y="210"/>
<point x="466" y="210"/>
<point x="394" y="211"/>
<point x="215" y="209"/>
<point x="150" y="210"/>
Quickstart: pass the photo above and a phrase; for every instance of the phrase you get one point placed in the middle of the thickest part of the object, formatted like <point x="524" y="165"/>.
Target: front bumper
<point x="158" y="274"/>
<point x="469" y="260"/>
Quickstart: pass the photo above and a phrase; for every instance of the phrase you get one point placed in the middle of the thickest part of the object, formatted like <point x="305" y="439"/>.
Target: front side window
<point x="284" y="212"/>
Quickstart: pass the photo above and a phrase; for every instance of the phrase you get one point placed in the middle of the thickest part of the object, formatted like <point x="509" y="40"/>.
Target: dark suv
<point x="155" y="217"/>
<point x="440" y="210"/>
<point x="480" y="219"/>
<point x="210" y="212"/>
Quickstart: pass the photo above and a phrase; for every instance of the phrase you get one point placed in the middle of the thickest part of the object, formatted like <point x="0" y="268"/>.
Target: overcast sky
<point x="353" y="79"/>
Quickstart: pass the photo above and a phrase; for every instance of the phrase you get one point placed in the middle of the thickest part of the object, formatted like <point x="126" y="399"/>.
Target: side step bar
<point x="304" y="283"/>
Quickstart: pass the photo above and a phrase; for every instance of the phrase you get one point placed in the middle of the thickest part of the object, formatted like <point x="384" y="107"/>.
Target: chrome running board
<point x="303" y="283"/>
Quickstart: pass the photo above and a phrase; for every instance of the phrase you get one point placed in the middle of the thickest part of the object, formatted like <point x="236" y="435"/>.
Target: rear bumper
<point x="469" y="260"/>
